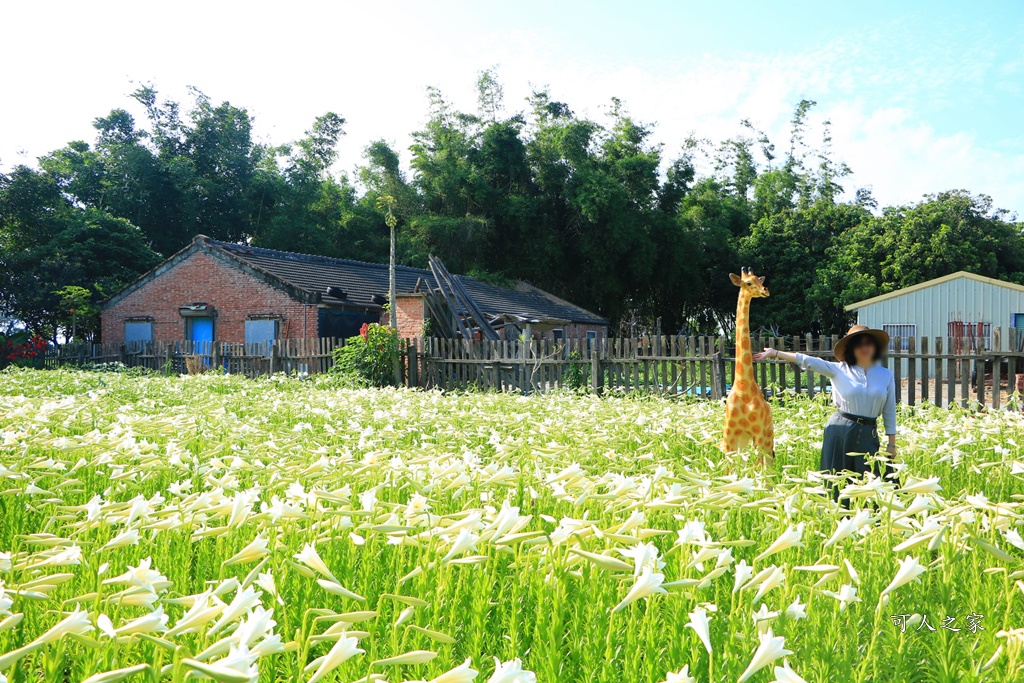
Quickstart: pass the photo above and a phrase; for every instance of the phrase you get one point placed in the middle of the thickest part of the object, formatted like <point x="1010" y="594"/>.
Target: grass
<point x="499" y="523"/>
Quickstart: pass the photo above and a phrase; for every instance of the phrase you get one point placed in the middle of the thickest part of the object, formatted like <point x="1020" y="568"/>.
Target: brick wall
<point x="579" y="331"/>
<point x="411" y="311"/>
<point x="234" y="295"/>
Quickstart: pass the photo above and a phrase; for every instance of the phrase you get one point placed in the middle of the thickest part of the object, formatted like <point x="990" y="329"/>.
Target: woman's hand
<point x="766" y="354"/>
<point x="890" y="447"/>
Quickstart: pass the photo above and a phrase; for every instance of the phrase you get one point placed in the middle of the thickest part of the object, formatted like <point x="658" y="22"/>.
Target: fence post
<point x="596" y="372"/>
<point x="167" y="361"/>
<point x="979" y="376"/>
<point x="414" y="364"/>
<point x="215" y="356"/>
<point x="718" y="369"/>
<point x="274" y="351"/>
<point x="997" y="365"/>
<point x="721" y="368"/>
<point x="911" y="371"/>
<point x="810" y="374"/>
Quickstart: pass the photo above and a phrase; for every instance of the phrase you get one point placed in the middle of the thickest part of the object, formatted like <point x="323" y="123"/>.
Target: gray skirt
<point x="845" y="444"/>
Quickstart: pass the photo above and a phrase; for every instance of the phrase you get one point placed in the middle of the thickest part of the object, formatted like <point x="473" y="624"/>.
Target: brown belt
<point x="860" y="419"/>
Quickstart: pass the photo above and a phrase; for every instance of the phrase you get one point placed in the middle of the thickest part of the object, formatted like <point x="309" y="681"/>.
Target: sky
<point x="921" y="96"/>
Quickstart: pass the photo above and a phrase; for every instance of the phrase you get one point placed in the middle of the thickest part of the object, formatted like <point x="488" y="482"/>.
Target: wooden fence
<point x="302" y="356"/>
<point x="944" y="371"/>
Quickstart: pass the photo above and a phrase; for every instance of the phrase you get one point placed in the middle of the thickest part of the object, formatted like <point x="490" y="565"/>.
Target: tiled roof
<point x="361" y="281"/>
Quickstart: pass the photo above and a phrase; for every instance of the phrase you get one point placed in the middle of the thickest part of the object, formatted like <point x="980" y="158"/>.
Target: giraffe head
<point x="749" y="284"/>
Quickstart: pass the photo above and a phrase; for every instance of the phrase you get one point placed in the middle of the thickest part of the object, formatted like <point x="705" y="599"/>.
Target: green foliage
<point x="577" y="374"/>
<point x="588" y="208"/>
<point x="369" y="359"/>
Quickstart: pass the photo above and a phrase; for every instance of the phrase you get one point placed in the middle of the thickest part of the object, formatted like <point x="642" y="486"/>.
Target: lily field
<point x="208" y="527"/>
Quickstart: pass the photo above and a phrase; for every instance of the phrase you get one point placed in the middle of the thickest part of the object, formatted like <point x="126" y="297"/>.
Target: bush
<point x="369" y="359"/>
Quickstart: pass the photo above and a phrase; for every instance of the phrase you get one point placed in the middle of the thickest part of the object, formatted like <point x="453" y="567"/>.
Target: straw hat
<point x="880" y="336"/>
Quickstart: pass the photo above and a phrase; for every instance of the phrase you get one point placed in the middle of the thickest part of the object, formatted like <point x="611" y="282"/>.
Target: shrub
<point x="369" y="359"/>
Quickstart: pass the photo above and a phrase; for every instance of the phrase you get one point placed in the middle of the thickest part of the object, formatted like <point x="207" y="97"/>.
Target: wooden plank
<point x="780" y="344"/>
<point x="897" y="369"/>
<point x="925" y="362"/>
<point x="997" y="366"/>
<point x="979" y="378"/>
<point x="938" y="371"/>
<point x="965" y="377"/>
<point x="950" y="376"/>
<point x="1011" y="365"/>
<point x="702" y="350"/>
<point x="825" y="347"/>
<point x="912" y="371"/>
<point x="810" y="375"/>
<point x="797" y="372"/>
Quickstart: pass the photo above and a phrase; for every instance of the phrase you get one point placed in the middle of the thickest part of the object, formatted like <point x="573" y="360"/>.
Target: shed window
<point x="591" y="335"/>
<point x="903" y="331"/>
<point x="558" y="334"/>
<point x="138" y="331"/>
<point x="260" y="332"/>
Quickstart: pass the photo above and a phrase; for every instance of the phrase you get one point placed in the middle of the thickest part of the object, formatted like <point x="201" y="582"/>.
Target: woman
<point x="862" y="390"/>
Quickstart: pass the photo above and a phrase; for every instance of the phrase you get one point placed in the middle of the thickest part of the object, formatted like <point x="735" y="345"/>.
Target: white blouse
<point x="868" y="393"/>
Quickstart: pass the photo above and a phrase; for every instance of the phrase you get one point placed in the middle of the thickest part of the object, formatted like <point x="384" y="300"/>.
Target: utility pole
<point x="387" y="202"/>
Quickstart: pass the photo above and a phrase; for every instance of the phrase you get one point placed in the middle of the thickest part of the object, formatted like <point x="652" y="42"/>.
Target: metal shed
<point x="958" y="306"/>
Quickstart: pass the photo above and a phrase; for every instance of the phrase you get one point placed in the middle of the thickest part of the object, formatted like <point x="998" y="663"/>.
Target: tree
<point x="942" y="234"/>
<point x="48" y="245"/>
<point x="76" y="301"/>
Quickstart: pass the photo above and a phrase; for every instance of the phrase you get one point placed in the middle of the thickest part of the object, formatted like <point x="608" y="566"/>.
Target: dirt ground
<point x="1004" y="396"/>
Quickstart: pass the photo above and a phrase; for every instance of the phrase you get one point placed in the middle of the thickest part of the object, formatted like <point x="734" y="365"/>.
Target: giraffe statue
<point x="748" y="418"/>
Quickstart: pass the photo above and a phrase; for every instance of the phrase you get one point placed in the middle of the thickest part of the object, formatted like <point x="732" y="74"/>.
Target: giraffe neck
<point x="744" y="362"/>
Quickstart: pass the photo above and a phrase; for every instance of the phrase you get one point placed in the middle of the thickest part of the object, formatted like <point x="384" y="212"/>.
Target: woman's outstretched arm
<point x="818" y="365"/>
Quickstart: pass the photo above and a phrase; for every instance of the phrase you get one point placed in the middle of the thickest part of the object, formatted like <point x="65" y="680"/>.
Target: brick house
<point x="214" y="290"/>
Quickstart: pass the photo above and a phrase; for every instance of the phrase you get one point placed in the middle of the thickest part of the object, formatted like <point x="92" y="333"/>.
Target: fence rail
<point x="941" y="370"/>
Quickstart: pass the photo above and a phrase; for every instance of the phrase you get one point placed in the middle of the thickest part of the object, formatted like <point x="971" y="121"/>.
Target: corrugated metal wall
<point x="931" y="309"/>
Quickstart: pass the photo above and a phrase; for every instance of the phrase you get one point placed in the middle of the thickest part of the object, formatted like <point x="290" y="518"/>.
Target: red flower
<point x="364" y="330"/>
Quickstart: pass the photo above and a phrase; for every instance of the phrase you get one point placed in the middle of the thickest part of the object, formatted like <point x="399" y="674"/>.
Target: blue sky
<point x="922" y="96"/>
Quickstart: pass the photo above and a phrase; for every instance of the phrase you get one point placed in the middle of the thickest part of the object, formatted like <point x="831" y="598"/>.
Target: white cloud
<point x="371" y="63"/>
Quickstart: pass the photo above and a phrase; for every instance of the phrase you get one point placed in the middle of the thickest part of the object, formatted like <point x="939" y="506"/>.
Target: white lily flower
<point x="774" y="579"/>
<point x="790" y="538"/>
<point x="846" y="596"/>
<point x="511" y="672"/>
<point x="743" y="574"/>
<point x="644" y="556"/>
<point x="784" y="674"/>
<point x="239" y="666"/>
<point x="770" y="648"/>
<point x="255" y="550"/>
<point x="109" y="676"/>
<point x="154" y="622"/>
<point x="796" y="610"/>
<point x="244" y="600"/>
<point x="699" y="623"/>
<point x="463" y="673"/>
<point x="76" y="623"/>
<point x="681" y="676"/>
<point x="343" y="650"/>
<point x="466" y="540"/>
<point x="647" y="584"/>
<point x="909" y="570"/>
<point x="311" y="558"/>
